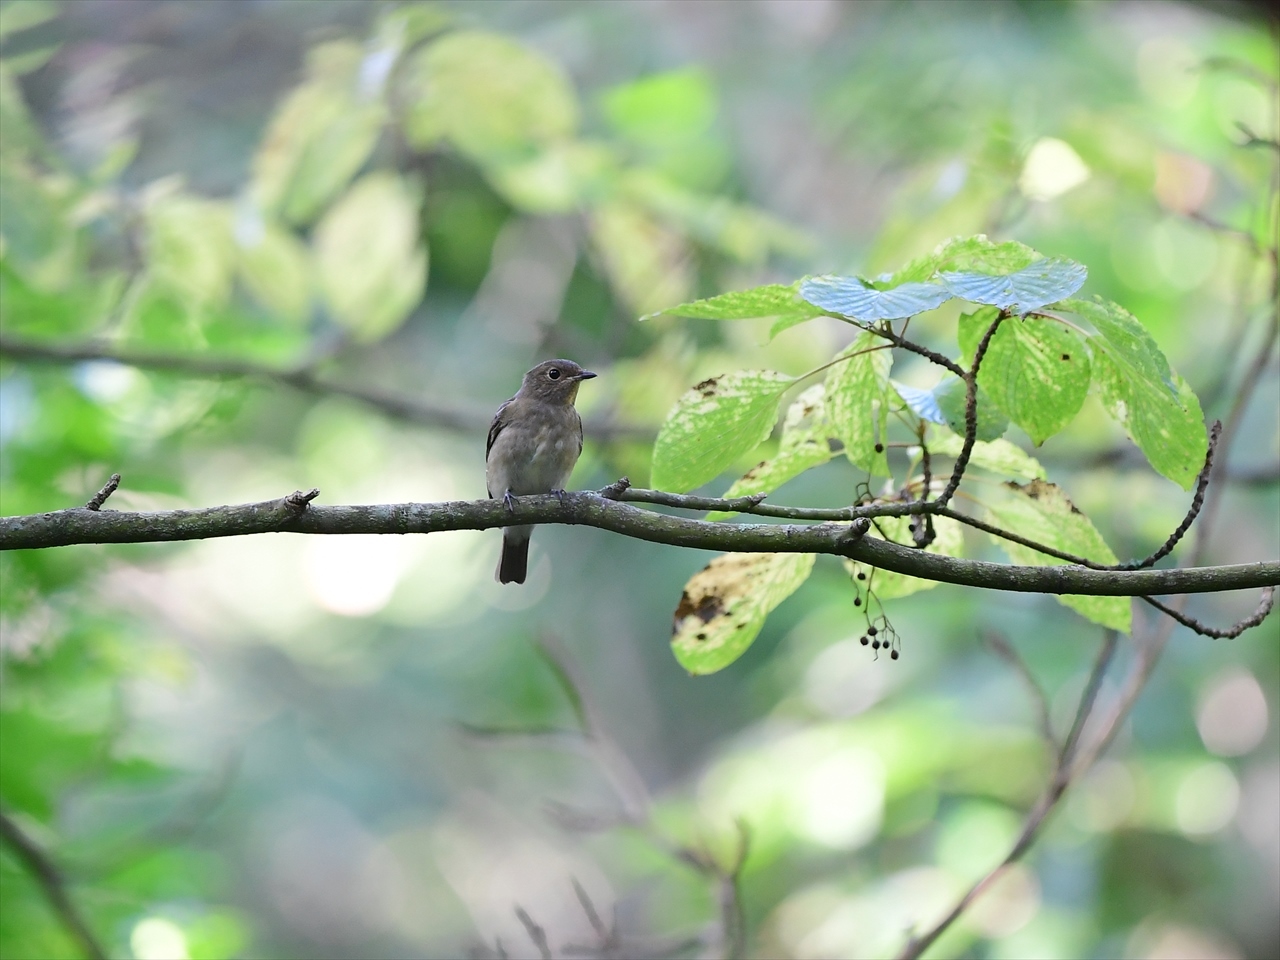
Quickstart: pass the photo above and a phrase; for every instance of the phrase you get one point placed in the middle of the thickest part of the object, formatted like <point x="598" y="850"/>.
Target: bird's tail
<point x="514" y="563"/>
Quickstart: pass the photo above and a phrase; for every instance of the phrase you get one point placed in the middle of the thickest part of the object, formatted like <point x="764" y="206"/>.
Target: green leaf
<point x="714" y="424"/>
<point x="854" y="298"/>
<point x="488" y="96"/>
<point x="951" y="394"/>
<point x="190" y="250"/>
<point x="998" y="456"/>
<point x="974" y="254"/>
<point x="1040" y="511"/>
<point x="804" y="444"/>
<point x="725" y="604"/>
<point x="557" y="179"/>
<point x="1036" y="370"/>
<point x="319" y="138"/>
<point x="771" y="300"/>
<point x="276" y="268"/>
<point x="22" y="15"/>
<point x="1042" y="283"/>
<point x="661" y="108"/>
<point x="858" y="399"/>
<point x="1155" y="406"/>
<point x="948" y="541"/>
<point x="648" y="263"/>
<point x="370" y="265"/>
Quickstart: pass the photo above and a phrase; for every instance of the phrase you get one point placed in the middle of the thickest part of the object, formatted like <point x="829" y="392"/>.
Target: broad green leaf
<point x="1041" y="512"/>
<point x="923" y="403"/>
<point x="974" y="254"/>
<point x="854" y="298"/>
<point x="661" y="108"/>
<point x="1154" y="405"/>
<point x="771" y="300"/>
<point x="276" y="268"/>
<point x="948" y="541"/>
<point x="557" y="179"/>
<point x="648" y="263"/>
<point x="320" y="137"/>
<point x="858" y="399"/>
<point x="369" y="262"/>
<point x="487" y="95"/>
<point x="725" y="604"/>
<point x="804" y="444"/>
<point x="1036" y="370"/>
<point x="1043" y="282"/>
<point x="998" y="456"/>
<point x="190" y="250"/>
<point x="24" y="14"/>
<point x="952" y="395"/>
<point x="714" y="424"/>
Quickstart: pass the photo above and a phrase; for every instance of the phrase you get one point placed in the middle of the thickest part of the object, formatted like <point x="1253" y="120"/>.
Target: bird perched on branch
<point x="534" y="441"/>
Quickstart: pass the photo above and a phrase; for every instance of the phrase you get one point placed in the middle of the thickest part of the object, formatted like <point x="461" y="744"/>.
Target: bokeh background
<point x="287" y="746"/>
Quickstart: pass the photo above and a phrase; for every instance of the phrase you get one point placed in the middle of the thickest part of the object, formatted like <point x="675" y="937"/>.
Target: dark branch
<point x="970" y="413"/>
<point x="1265" y="604"/>
<point x="53" y="886"/>
<point x="304" y="378"/>
<point x="79" y="526"/>
<point x="1202" y="484"/>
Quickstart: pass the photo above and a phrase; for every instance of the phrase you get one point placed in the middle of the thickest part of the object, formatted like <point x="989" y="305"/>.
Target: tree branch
<point x="52" y="884"/>
<point x="295" y="514"/>
<point x="304" y="378"/>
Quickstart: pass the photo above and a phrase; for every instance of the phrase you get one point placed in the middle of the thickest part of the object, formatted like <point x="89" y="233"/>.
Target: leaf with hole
<point x="712" y="425"/>
<point x="725" y="604"/>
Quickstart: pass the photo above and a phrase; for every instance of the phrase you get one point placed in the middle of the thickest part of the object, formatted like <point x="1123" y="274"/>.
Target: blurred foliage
<point x="258" y="747"/>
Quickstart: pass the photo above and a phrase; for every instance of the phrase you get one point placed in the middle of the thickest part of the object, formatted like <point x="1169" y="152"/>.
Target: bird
<point x="534" y="441"/>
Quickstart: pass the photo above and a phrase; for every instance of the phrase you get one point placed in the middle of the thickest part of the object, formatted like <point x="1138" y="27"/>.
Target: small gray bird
<point x="534" y="441"/>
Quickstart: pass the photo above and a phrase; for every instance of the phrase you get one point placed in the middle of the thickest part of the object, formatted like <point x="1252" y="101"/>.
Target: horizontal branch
<point x="296" y="514"/>
<point x="400" y="406"/>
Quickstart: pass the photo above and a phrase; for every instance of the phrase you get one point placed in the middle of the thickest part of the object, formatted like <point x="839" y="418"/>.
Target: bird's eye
<point x="553" y="373"/>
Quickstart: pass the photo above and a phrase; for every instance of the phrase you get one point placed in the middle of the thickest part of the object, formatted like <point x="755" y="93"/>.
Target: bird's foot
<point x="558" y="494"/>
<point x="509" y="502"/>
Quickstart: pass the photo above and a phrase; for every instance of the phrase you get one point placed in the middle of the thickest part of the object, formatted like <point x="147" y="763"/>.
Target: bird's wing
<point x="500" y="420"/>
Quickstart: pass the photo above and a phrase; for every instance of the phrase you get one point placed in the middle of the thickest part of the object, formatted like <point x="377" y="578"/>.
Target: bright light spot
<point x="105" y="380"/>
<point x="1105" y="799"/>
<point x="1008" y="904"/>
<point x="1185" y="254"/>
<point x="158" y="939"/>
<point x="950" y="179"/>
<point x="1206" y="800"/>
<point x="840" y="801"/>
<point x="1171" y="941"/>
<point x="354" y="576"/>
<point x="1232" y="718"/>
<point x="840" y="683"/>
<point x="1052" y="168"/>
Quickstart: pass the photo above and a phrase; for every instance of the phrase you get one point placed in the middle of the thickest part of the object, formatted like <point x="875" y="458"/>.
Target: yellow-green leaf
<point x="948" y="541"/>
<point x="725" y="604"/>
<point x="857" y="400"/>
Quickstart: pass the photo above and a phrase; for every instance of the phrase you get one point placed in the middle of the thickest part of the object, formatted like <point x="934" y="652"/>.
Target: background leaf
<point x="948" y="541"/>
<point x="371" y="266"/>
<point x="725" y="604"/>
<point x="714" y="424"/>
<point x="998" y="456"/>
<point x="952" y="396"/>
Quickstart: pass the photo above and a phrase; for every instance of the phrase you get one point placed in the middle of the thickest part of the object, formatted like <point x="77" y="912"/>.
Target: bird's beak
<point x="586" y="375"/>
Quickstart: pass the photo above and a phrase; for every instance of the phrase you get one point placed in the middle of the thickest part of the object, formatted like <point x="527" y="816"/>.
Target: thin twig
<point x="99" y="498"/>
<point x="1202" y="484"/>
<point x="1009" y="655"/>
<point x="970" y="412"/>
<point x="1265" y="604"/>
<point x="53" y="885"/>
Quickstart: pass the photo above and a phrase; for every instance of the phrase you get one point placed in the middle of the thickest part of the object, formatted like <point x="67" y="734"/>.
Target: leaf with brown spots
<point x="725" y="604"/>
<point x="1040" y="511"/>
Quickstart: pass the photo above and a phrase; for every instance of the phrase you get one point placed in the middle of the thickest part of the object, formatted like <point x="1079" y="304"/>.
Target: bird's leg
<point x="558" y="494"/>
<point x="509" y="502"/>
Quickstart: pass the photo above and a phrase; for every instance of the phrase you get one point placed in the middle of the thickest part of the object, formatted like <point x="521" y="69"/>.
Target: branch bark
<point x="296" y="514"/>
